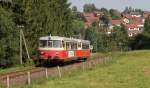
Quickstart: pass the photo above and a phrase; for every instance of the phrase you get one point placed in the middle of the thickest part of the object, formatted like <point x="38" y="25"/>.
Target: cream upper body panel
<point x="51" y="49"/>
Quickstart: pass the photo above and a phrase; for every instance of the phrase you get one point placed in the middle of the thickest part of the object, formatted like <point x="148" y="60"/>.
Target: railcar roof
<point x="63" y="38"/>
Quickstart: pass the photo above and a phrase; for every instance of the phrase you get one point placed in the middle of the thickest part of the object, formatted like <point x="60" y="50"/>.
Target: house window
<point x="130" y="35"/>
<point x="141" y="28"/>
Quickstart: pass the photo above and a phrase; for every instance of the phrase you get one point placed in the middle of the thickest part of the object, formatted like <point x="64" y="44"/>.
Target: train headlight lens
<point x="57" y="53"/>
<point x="41" y="53"/>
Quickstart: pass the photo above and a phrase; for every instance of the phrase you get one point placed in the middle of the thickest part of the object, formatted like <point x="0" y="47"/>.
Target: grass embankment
<point x="128" y="70"/>
<point x="94" y="55"/>
<point x="13" y="69"/>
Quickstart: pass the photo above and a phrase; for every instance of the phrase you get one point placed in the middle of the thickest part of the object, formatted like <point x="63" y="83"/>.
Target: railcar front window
<point x="57" y="44"/>
<point x="50" y="43"/>
<point x="43" y="43"/>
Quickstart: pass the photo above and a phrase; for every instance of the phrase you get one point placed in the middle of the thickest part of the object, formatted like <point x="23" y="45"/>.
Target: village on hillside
<point x="133" y="20"/>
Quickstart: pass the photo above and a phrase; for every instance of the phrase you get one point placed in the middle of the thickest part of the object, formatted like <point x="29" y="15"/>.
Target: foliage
<point x="142" y="41"/>
<point x="89" y="8"/>
<point x="8" y="39"/>
<point x="74" y="9"/>
<point x="104" y="20"/>
<point x="121" y="38"/>
<point x="105" y="11"/>
<point x="147" y="25"/>
<point x="78" y="29"/>
<point x="39" y="18"/>
<point x="91" y="35"/>
<point x="47" y="17"/>
<point x="115" y="14"/>
<point x="103" y="42"/>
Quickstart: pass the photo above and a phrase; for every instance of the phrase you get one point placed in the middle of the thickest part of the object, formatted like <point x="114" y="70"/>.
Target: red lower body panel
<point x="63" y="54"/>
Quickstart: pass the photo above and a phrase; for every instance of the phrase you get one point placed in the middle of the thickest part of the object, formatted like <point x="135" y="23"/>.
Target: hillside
<point x="128" y="70"/>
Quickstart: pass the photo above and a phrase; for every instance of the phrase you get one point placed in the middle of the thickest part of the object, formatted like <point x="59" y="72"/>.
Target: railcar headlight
<point x="42" y="53"/>
<point x="57" y="53"/>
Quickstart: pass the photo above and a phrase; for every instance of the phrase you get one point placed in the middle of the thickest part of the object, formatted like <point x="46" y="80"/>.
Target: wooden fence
<point x="28" y="77"/>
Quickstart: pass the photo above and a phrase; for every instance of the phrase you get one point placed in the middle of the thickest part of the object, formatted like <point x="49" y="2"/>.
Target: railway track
<point x="32" y="70"/>
<point x="20" y="72"/>
<point x="35" y="72"/>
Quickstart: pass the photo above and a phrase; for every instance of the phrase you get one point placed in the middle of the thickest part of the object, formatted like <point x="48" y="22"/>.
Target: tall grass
<point x="128" y="70"/>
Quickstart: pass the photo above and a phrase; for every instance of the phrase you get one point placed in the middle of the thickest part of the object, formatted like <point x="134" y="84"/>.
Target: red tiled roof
<point x="139" y="19"/>
<point x="92" y="14"/>
<point x="146" y="12"/>
<point x="131" y="25"/>
<point x="134" y="25"/>
<point x="90" y="18"/>
<point x="115" y="22"/>
<point x="127" y="16"/>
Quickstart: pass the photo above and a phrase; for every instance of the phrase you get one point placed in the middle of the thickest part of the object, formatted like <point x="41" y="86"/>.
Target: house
<point x="114" y="23"/>
<point x="89" y="18"/>
<point x="135" y="14"/>
<point x="109" y="31"/>
<point x="134" y="29"/>
<point x="146" y="14"/>
<point x="128" y="19"/>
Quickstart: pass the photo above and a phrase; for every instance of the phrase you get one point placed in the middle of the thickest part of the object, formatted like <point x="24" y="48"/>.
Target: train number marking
<point x="70" y="53"/>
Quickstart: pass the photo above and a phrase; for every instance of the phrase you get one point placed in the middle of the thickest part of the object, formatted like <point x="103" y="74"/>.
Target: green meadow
<point x="127" y="70"/>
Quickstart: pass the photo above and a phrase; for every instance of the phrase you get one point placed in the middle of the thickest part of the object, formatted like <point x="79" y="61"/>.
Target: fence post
<point x="59" y="72"/>
<point x="90" y="65"/>
<point x="8" y="82"/>
<point x="83" y="64"/>
<point x="46" y="73"/>
<point x="29" y="78"/>
<point x="105" y="60"/>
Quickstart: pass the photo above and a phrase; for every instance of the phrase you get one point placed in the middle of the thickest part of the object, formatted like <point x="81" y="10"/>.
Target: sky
<point x="115" y="4"/>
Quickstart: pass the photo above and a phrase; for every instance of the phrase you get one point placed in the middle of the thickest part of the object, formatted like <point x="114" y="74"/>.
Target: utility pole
<point x="25" y="45"/>
<point x="20" y="28"/>
<point x="21" y="62"/>
<point x="21" y="41"/>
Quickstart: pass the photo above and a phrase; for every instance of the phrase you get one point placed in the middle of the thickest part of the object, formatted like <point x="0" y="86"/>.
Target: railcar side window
<point x="57" y="44"/>
<point x="79" y="45"/>
<point x="74" y="45"/>
<point x="68" y="46"/>
<point x="43" y="43"/>
<point x="63" y="44"/>
<point x="85" y="46"/>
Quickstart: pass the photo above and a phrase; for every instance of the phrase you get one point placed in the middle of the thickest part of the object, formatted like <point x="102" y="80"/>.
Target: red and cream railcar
<point x="62" y="48"/>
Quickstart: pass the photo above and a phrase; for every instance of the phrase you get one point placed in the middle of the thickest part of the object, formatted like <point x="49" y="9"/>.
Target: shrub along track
<point x="26" y="76"/>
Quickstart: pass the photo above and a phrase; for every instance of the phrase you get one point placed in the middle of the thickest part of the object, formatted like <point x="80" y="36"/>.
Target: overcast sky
<point x="116" y="4"/>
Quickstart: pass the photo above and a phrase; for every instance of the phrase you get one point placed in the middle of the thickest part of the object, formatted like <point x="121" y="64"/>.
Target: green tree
<point x="120" y="36"/>
<point x="104" y="20"/>
<point x="142" y="41"/>
<point x="115" y="14"/>
<point x="74" y="9"/>
<point x="91" y="35"/>
<point x="8" y="39"/>
<point x="89" y="8"/>
<point x="78" y="29"/>
<point x="105" y="11"/>
<point x="147" y="25"/>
